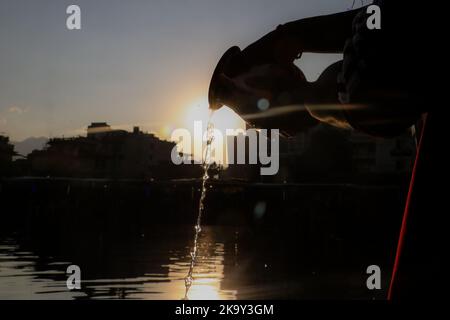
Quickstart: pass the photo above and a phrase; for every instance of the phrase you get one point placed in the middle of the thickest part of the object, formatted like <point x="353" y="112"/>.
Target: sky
<point x="145" y="63"/>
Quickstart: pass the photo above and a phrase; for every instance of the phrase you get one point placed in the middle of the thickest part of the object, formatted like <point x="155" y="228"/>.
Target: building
<point x="6" y="155"/>
<point x="291" y="150"/>
<point x="109" y="153"/>
<point x="98" y="129"/>
<point x="328" y="154"/>
<point x="377" y="155"/>
<point x="244" y="171"/>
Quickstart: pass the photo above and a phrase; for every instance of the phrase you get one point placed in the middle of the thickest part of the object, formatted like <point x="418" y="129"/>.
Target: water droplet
<point x="188" y="281"/>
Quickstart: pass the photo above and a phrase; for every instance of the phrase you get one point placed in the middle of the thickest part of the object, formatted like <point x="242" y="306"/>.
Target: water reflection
<point x="311" y="242"/>
<point x="25" y="275"/>
<point x="233" y="263"/>
<point x="19" y="278"/>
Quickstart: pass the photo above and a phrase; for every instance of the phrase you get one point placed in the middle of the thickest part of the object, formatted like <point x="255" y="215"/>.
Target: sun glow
<point x="222" y="119"/>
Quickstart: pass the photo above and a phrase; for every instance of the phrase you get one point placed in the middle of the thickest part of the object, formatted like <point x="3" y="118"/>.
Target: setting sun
<point x="222" y="120"/>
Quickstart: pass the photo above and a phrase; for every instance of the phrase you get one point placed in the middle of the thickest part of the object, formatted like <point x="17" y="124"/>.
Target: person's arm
<point x="322" y="34"/>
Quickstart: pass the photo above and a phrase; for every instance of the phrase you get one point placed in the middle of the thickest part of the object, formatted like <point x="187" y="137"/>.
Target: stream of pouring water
<point x="201" y="206"/>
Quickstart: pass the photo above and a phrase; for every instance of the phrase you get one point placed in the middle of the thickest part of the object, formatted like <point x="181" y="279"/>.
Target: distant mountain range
<point x="24" y="147"/>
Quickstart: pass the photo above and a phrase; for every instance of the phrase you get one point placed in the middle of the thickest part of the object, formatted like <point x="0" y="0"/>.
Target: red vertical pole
<point x="406" y="214"/>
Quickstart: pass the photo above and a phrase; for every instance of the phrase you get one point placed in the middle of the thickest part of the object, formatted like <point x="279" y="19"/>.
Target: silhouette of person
<point x="371" y="89"/>
<point x="382" y="86"/>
